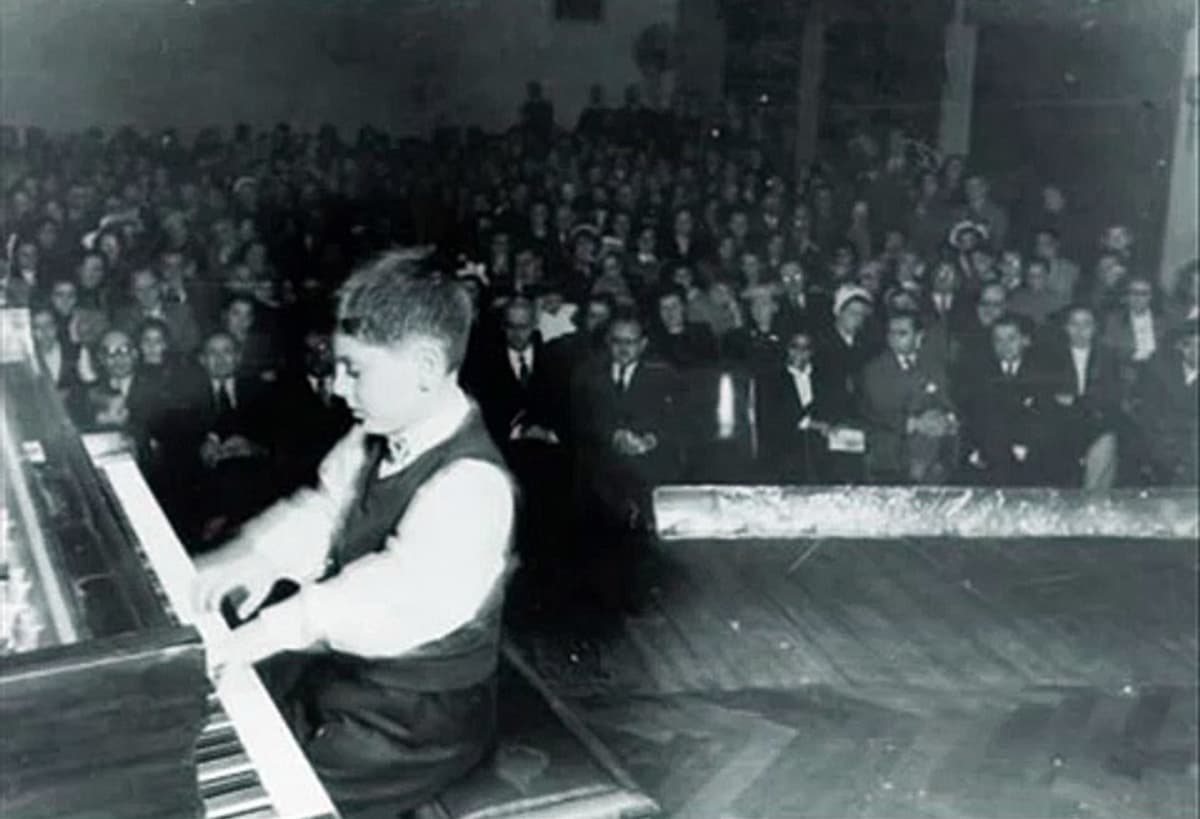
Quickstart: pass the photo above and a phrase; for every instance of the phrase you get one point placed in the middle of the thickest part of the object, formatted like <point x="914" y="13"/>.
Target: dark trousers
<point x="379" y="764"/>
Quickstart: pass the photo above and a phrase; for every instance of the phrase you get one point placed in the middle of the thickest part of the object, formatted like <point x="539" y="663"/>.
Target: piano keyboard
<point x="248" y="765"/>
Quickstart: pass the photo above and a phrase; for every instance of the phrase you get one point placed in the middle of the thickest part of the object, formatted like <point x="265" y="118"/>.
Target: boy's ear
<point x="431" y="363"/>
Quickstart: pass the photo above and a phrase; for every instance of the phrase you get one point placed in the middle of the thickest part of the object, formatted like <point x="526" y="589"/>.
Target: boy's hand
<point x="244" y="646"/>
<point x="247" y="578"/>
<point x="210" y="450"/>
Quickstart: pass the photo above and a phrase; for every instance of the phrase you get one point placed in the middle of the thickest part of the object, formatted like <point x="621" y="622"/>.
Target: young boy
<point x="384" y="659"/>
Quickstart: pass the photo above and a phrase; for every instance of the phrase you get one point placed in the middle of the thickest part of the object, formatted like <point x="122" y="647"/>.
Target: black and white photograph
<point x="599" y="409"/>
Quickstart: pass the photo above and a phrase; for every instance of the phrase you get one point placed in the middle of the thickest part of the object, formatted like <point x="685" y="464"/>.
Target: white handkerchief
<point x="847" y="439"/>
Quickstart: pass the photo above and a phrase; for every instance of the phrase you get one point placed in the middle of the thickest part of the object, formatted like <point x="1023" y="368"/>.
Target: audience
<point x="864" y="309"/>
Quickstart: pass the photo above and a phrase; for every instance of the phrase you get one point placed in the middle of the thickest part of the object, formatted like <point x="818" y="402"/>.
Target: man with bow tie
<point x="911" y="424"/>
<point x="384" y="655"/>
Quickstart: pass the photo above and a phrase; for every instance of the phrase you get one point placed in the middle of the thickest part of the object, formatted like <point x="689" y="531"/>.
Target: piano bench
<point x="547" y="764"/>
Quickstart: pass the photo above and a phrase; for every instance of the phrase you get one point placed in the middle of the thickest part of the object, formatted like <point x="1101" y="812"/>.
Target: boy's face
<point x="386" y="388"/>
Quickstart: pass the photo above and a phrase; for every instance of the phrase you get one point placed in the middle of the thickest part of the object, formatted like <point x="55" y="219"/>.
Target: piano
<point x="106" y="705"/>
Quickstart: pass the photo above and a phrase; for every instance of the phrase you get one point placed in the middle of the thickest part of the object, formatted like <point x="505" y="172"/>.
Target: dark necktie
<point x="523" y="370"/>
<point x="622" y="382"/>
<point x="224" y="400"/>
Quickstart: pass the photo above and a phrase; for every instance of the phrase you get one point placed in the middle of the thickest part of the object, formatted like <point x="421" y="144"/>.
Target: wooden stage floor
<point x="965" y="680"/>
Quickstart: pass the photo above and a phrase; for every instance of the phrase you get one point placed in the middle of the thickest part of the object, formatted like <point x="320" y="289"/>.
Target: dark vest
<point x="386" y="735"/>
<point x="461" y="659"/>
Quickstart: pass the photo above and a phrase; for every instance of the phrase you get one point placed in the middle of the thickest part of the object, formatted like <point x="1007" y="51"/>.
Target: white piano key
<point x="292" y="787"/>
<point x="223" y="767"/>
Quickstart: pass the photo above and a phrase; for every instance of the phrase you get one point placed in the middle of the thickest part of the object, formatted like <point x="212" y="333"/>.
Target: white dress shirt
<point x="435" y="572"/>
<point x="53" y="361"/>
<point x="121" y="385"/>
<point x="515" y="357"/>
<point x="1144" y="342"/>
<point x="1080" y="359"/>
<point x="226" y="384"/>
<point x="622" y="376"/>
<point x="802" y="378"/>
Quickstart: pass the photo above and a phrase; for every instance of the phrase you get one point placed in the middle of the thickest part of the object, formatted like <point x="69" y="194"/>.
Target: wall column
<point x="1180" y="236"/>
<point x="812" y="77"/>
<point x="958" y="90"/>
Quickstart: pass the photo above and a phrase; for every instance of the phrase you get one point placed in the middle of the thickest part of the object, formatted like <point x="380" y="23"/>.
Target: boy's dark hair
<point x="391" y="299"/>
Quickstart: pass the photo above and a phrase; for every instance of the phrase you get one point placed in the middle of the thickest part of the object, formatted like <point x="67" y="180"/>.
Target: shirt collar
<point x="406" y="445"/>
<point x="805" y="371"/>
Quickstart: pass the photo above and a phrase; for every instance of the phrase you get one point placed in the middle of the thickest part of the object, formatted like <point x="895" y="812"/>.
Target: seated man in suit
<point x="911" y="425"/>
<point x="627" y="444"/>
<point x="946" y="312"/>
<point x="511" y="381"/>
<point x="792" y="423"/>
<point x="1166" y="409"/>
<point x="224" y="440"/>
<point x="973" y="342"/>
<point x="757" y="346"/>
<point x="1004" y="413"/>
<point x="522" y="396"/>
<point x="111" y="401"/>
<point x="1137" y="330"/>
<point x="149" y="303"/>
<point x="800" y="307"/>
<point x="681" y="343"/>
<point x="317" y="416"/>
<point x="1085" y="382"/>
<point x="57" y="357"/>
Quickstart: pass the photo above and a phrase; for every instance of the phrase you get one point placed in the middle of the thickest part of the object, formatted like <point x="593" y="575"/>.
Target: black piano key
<point x="235" y="803"/>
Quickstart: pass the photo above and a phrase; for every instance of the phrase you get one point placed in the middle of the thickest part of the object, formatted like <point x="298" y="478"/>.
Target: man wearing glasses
<point x="110" y="399"/>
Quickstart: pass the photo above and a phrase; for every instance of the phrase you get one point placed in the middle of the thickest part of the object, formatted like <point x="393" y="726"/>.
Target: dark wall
<point x="399" y="64"/>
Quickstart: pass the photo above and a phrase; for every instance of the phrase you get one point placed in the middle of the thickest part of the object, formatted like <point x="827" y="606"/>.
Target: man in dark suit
<point x="945" y="313"/>
<point x="911" y="424"/>
<point x="628" y="443"/>
<point x="757" y="346"/>
<point x="791" y="416"/>
<point x="57" y="357"/>
<point x="1166" y="409"/>
<point x="1085" y="381"/>
<point x="512" y="383"/>
<point x="681" y="343"/>
<point x="224" y="440"/>
<point x="800" y="307"/>
<point x="149" y="303"/>
<point x="1005" y="411"/>
<point x="317" y="417"/>
<point x="522" y="395"/>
